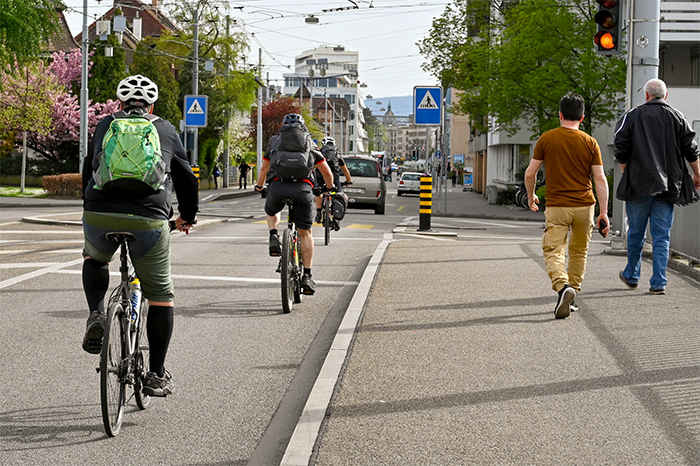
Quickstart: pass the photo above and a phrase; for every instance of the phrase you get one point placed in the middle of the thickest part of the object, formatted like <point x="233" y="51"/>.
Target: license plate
<point x="353" y="190"/>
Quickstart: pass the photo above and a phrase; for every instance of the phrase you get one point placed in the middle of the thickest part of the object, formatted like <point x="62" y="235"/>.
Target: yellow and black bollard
<point x="195" y="170"/>
<point x="426" y="202"/>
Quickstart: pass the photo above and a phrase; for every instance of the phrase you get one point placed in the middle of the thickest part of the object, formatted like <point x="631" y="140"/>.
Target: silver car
<point x="409" y="183"/>
<point x="368" y="188"/>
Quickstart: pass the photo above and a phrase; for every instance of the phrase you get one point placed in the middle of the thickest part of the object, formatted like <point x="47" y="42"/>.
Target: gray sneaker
<point x="563" y="307"/>
<point x="158" y="386"/>
<point x="95" y="330"/>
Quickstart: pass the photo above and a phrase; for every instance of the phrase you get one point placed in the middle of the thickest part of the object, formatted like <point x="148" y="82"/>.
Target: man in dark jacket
<point x="144" y="215"/>
<point x="652" y="143"/>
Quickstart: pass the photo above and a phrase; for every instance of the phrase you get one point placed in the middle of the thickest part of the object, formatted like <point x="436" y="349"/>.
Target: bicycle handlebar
<point x="185" y="226"/>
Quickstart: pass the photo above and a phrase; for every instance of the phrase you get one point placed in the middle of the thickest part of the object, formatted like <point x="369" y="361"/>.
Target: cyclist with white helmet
<point x="336" y="164"/>
<point x="143" y="211"/>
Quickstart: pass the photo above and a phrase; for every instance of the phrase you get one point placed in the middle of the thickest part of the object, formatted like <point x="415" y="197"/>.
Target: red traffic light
<point x="607" y="3"/>
<point x="605" y="40"/>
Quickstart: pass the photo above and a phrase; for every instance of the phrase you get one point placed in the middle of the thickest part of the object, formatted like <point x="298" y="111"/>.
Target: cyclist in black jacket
<point x="146" y="216"/>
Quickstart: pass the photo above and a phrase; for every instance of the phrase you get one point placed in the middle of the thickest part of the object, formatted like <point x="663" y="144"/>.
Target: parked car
<point x="408" y="183"/>
<point x="368" y="188"/>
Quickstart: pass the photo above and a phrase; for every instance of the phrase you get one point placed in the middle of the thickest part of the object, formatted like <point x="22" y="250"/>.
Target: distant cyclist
<point x="132" y="205"/>
<point x="337" y="164"/>
<point x="287" y="167"/>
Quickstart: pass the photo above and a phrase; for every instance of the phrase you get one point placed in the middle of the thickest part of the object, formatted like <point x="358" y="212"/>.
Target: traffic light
<point x="609" y="31"/>
<point x="414" y="154"/>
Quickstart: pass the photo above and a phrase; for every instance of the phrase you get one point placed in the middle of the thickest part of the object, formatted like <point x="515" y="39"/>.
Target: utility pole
<point x="226" y="156"/>
<point x="84" y="91"/>
<point x="260" y="110"/>
<point x="195" y="82"/>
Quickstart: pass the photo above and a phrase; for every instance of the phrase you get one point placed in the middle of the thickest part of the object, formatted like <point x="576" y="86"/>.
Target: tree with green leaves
<point x="230" y="89"/>
<point x="25" y="29"/>
<point x="106" y="72"/>
<point x="158" y="58"/>
<point x="514" y="60"/>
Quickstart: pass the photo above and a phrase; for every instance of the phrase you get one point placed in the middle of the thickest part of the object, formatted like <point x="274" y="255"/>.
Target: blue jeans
<point x="659" y="216"/>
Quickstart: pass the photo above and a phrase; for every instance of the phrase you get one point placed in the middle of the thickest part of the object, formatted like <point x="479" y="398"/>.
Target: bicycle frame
<point x="290" y="268"/>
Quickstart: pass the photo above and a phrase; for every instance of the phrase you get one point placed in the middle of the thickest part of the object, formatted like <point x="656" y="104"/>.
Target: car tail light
<point x="401" y="182"/>
<point x="379" y="193"/>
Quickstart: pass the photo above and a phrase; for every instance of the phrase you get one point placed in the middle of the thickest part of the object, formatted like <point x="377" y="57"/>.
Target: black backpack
<point x="331" y="155"/>
<point x="291" y="157"/>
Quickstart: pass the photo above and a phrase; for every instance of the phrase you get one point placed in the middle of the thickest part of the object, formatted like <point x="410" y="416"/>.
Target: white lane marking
<point x="46" y="241"/>
<point x="514" y="238"/>
<point x="16" y="251"/>
<point x="48" y="232"/>
<point x="264" y="239"/>
<point x="306" y="432"/>
<point x="38" y="273"/>
<point x="226" y="279"/>
<point x="427" y="237"/>
<point x="27" y="265"/>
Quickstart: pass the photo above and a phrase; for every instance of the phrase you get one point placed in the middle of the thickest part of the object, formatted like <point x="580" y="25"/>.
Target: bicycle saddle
<point x="120" y="236"/>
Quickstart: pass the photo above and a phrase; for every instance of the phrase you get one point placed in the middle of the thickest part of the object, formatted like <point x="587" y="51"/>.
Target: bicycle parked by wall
<point x="290" y="265"/>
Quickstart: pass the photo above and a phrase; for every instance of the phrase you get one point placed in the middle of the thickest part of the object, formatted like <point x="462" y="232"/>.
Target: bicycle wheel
<point x="141" y="358"/>
<point x="112" y="371"/>
<point x="298" y="269"/>
<point x="327" y="219"/>
<point x="287" y="271"/>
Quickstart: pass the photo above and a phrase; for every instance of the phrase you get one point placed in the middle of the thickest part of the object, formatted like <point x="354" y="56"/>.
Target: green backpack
<point x="130" y="160"/>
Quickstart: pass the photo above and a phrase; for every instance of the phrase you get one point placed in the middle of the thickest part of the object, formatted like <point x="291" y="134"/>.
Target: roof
<point x="63" y="40"/>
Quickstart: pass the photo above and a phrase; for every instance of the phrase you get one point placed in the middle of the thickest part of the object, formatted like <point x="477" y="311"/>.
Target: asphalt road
<point x="242" y="369"/>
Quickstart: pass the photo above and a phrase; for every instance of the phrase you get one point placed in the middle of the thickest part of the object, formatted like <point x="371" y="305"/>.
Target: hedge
<point x="66" y="185"/>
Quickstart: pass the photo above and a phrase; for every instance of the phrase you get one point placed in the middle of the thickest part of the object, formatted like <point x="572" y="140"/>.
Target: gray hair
<point x="655" y="88"/>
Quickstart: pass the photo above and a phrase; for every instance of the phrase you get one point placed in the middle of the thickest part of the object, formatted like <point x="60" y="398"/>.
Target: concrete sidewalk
<point x="467" y="366"/>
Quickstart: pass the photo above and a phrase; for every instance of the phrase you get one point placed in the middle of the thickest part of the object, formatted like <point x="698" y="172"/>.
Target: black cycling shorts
<point x="304" y="204"/>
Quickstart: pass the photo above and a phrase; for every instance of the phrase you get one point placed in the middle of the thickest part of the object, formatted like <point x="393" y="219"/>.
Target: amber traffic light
<point x="609" y="28"/>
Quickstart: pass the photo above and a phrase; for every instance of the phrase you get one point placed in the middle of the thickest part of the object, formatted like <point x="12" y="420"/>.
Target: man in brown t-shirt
<point x="569" y="156"/>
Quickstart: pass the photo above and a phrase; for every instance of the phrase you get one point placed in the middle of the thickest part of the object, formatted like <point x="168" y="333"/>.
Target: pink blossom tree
<point x="61" y="140"/>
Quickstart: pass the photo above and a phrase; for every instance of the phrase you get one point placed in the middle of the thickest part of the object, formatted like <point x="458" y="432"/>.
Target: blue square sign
<point x="427" y="105"/>
<point x="196" y="110"/>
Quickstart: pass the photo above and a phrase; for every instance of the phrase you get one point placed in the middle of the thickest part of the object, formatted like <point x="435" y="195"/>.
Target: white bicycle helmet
<point x="137" y="88"/>
<point x="328" y="140"/>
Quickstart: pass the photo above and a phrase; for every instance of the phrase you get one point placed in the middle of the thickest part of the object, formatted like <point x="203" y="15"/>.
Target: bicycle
<point x="124" y="355"/>
<point x="327" y="220"/>
<point x="290" y="265"/>
<point x="124" y="352"/>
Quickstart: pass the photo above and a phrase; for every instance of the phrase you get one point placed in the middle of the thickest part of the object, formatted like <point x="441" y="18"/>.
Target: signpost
<point x="196" y="110"/>
<point x="427" y="105"/>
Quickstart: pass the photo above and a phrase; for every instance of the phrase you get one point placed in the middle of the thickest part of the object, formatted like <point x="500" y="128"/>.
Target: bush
<point x="66" y="185"/>
<point x="38" y="167"/>
<point x="506" y="196"/>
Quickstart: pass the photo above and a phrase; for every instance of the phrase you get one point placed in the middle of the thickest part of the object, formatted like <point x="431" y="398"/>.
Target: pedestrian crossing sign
<point x="427" y="105"/>
<point x="196" y="110"/>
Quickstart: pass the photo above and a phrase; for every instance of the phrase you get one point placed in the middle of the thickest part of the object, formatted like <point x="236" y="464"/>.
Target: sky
<point x="384" y="32"/>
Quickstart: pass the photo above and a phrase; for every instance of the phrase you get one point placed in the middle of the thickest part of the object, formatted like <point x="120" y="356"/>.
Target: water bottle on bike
<point x="135" y="300"/>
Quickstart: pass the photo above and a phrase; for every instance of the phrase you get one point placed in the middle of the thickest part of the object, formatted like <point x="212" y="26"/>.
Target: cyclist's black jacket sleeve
<point x="159" y="204"/>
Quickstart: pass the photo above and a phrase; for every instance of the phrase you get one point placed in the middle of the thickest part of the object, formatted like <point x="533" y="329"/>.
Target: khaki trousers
<point x="561" y="221"/>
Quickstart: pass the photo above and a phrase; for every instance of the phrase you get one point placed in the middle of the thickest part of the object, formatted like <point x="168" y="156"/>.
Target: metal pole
<point x="195" y="84"/>
<point x="325" y="113"/>
<point x="225" y="174"/>
<point x="342" y="140"/>
<point x="357" y="118"/>
<point x="260" y="110"/>
<point x="84" y="91"/>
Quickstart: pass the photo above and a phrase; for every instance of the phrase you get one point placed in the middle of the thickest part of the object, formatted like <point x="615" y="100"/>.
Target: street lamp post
<point x="84" y="90"/>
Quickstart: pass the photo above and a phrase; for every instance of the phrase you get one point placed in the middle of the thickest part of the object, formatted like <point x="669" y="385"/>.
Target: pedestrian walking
<point x="243" y="169"/>
<point x="217" y="174"/>
<point x="453" y="175"/>
<point x="569" y="157"/>
<point x="652" y="143"/>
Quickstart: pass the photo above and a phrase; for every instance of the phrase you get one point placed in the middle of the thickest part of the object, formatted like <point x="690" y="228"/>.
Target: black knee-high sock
<point x="95" y="283"/>
<point x="159" y="328"/>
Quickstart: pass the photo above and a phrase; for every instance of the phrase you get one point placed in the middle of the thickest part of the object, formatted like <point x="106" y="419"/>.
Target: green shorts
<point x="150" y="252"/>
